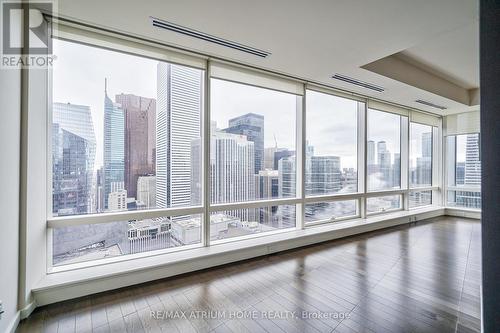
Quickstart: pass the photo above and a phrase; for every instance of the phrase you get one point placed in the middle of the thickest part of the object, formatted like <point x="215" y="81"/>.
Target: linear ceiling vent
<point x="209" y="38"/>
<point x="432" y="105"/>
<point x="357" y="82"/>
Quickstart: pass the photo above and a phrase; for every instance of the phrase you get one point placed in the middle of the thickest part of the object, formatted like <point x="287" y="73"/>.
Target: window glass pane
<point x="420" y="198"/>
<point x="383" y="150"/>
<point x="332" y="146"/>
<point x="383" y="204"/>
<point x="321" y="211"/>
<point x="252" y="140"/>
<point x="123" y="128"/>
<point x="420" y="155"/>
<point x="468" y="163"/>
<point x="465" y="199"/>
<point x="247" y="222"/>
<point x="464" y="170"/>
<point x="98" y="241"/>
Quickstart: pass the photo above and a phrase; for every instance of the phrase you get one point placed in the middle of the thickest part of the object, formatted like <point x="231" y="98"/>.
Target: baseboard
<point x="25" y="313"/>
<point x="11" y="328"/>
<point x="68" y="285"/>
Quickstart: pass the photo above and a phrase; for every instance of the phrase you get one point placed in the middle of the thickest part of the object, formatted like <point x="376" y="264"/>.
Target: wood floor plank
<point x="420" y="278"/>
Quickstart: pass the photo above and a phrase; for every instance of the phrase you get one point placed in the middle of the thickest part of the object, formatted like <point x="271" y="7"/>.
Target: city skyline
<point x="151" y="158"/>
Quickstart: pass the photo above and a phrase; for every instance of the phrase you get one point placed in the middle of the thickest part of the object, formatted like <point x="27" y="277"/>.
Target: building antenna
<point x="106" y="86"/>
<point x="275" y="141"/>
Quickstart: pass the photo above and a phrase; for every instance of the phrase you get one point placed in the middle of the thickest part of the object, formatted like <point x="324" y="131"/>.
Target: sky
<point x="78" y="78"/>
<point x="384" y="126"/>
<point x="229" y="100"/>
<point x="416" y="133"/>
<point x="331" y="127"/>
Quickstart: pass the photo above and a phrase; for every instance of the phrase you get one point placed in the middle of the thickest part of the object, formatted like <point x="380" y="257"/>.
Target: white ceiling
<point x="314" y="39"/>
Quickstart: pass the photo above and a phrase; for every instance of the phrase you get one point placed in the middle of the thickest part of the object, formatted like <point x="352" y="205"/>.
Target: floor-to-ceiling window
<point x="152" y="152"/>
<point x="253" y="156"/>
<point x="331" y="152"/>
<point x="463" y="170"/>
<point x="123" y="136"/>
<point x="420" y="164"/>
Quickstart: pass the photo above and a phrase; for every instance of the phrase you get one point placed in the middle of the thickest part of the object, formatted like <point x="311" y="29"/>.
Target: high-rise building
<point x="140" y="138"/>
<point x="117" y="200"/>
<point x="178" y="124"/>
<point x="281" y="153"/>
<point x="232" y="170"/>
<point x="370" y="152"/>
<point x="427" y="144"/>
<point x="73" y="155"/>
<point x="472" y="161"/>
<point x="424" y="170"/>
<point x="114" y="146"/>
<point x="266" y="184"/>
<point x="287" y="173"/>
<point x="100" y="190"/>
<point x="267" y="187"/>
<point x="384" y="165"/>
<point x="396" y="171"/>
<point x="323" y="175"/>
<point x="146" y="191"/>
<point x="381" y="149"/>
<point x="422" y="174"/>
<point x="460" y="173"/>
<point x="269" y="158"/>
<point x="472" y="174"/>
<point x="252" y="126"/>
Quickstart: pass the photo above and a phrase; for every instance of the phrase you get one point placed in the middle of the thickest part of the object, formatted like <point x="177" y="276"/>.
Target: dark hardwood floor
<point x="419" y="278"/>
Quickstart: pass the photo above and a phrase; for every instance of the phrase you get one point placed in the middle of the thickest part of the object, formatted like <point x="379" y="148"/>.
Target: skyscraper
<point x="140" y="138"/>
<point x="472" y="174"/>
<point x="231" y="170"/>
<point x="114" y="146"/>
<point x="269" y="158"/>
<point x="370" y="153"/>
<point x="100" y="190"/>
<point x="266" y="184"/>
<point x="232" y="167"/>
<point x="287" y="173"/>
<point x="73" y="155"/>
<point x="281" y="153"/>
<point x="267" y="187"/>
<point x="323" y="175"/>
<point x="424" y="164"/>
<point x="252" y="126"/>
<point x="396" y="171"/>
<point x="472" y="161"/>
<point x="385" y="165"/>
<point x="427" y="144"/>
<point x="146" y="191"/>
<point x="178" y="123"/>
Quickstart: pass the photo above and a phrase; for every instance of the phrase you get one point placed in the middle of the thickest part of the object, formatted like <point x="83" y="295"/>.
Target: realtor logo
<point x="25" y="34"/>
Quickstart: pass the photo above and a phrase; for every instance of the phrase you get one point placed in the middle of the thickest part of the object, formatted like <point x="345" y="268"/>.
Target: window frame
<point x="416" y="186"/>
<point x="454" y="188"/>
<point x="206" y="208"/>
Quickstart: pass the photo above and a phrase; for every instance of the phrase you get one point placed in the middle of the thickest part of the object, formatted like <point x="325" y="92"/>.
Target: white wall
<point x="10" y="113"/>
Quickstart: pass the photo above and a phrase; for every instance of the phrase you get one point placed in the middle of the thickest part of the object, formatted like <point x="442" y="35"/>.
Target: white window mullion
<point x="438" y="169"/>
<point x="362" y="157"/>
<point x="301" y="162"/>
<point x="206" y="190"/>
<point x="404" y="159"/>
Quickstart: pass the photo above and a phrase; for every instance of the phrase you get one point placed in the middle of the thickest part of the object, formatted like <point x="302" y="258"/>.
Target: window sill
<point x="463" y="212"/>
<point x="80" y="282"/>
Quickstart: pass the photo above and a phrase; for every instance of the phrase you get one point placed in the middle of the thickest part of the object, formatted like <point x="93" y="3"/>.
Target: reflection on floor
<point x="419" y="278"/>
